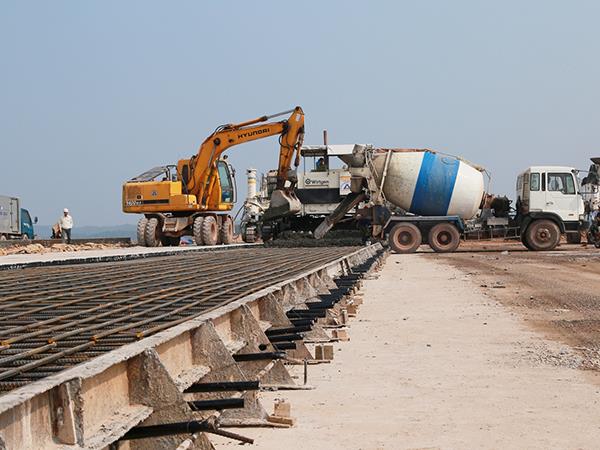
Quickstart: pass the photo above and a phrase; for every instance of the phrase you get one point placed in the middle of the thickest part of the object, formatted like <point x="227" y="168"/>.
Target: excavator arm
<point x="199" y="173"/>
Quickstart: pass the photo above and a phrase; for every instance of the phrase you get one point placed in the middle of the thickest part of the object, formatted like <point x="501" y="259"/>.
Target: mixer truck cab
<point x="549" y="204"/>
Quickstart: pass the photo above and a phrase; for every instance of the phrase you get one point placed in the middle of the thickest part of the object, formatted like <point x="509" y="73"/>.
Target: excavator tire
<point x="444" y="238"/>
<point x="141" y="231"/>
<point x="210" y="231"/>
<point x="197" y="230"/>
<point x="153" y="232"/>
<point x="227" y="231"/>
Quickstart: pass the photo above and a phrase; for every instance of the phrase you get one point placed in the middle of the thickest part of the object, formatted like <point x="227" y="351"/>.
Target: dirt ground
<point x="439" y="358"/>
<point x="558" y="293"/>
<point x="32" y="249"/>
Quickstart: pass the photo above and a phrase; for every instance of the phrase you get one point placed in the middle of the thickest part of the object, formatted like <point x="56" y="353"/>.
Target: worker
<point x="66" y="224"/>
<point x="321" y="165"/>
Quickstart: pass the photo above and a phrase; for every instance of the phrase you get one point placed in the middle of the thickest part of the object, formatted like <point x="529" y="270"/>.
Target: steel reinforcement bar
<point x="53" y="318"/>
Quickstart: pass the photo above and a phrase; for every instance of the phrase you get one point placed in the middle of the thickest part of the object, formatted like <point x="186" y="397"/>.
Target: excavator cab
<point x="227" y="181"/>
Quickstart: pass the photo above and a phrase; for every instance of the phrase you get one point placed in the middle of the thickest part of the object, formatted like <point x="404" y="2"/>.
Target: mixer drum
<point x="427" y="183"/>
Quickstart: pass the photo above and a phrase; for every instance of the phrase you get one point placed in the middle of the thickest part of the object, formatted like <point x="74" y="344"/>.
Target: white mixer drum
<point x="427" y="183"/>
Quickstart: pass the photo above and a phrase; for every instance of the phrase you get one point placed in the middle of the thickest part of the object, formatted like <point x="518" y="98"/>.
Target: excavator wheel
<point x="197" y="230"/>
<point x="141" y="231"/>
<point x="444" y="238"/>
<point x="210" y="231"/>
<point x="153" y="233"/>
<point x="227" y="231"/>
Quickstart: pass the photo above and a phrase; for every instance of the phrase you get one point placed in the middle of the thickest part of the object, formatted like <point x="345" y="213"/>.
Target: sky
<point x="94" y="93"/>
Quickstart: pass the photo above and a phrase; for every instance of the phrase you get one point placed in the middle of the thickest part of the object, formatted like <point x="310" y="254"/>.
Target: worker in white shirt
<point x="66" y="224"/>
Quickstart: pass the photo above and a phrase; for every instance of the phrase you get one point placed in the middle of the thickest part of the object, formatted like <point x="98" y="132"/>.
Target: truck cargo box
<point x="9" y="215"/>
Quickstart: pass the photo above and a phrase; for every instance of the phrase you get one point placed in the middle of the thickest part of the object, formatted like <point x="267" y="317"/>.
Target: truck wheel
<point x="153" y="233"/>
<point x="542" y="235"/>
<point x="444" y="238"/>
<point x="197" y="230"/>
<point x="141" y="231"/>
<point x="405" y="238"/>
<point x="525" y="243"/>
<point x="210" y="231"/>
<point x="227" y="230"/>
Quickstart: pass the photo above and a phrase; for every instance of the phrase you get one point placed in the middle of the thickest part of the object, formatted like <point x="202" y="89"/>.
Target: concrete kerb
<point x="100" y="364"/>
<point x="209" y="350"/>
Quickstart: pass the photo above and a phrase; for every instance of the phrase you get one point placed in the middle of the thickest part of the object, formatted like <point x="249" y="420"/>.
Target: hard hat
<point x="66" y="210"/>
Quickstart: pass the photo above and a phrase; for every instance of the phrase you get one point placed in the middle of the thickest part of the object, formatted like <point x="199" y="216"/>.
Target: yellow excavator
<point x="195" y="196"/>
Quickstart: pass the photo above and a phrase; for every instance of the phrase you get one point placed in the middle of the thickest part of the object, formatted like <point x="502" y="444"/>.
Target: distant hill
<point x="127" y="230"/>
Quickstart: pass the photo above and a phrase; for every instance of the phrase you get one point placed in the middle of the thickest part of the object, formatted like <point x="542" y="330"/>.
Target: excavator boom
<point x="197" y="185"/>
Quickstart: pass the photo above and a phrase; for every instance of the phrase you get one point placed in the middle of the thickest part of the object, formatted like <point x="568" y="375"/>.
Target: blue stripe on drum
<point x="435" y="185"/>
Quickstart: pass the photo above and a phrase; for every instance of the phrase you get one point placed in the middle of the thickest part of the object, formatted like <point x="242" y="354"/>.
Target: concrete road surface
<point x="434" y="362"/>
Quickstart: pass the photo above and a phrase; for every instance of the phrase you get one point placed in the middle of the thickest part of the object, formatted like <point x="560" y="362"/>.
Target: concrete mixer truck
<point x="419" y="196"/>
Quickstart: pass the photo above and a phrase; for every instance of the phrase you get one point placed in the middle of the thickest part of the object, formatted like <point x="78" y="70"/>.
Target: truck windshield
<point x="562" y="182"/>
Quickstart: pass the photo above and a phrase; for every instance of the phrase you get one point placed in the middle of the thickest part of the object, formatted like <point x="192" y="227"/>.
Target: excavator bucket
<point x="283" y="203"/>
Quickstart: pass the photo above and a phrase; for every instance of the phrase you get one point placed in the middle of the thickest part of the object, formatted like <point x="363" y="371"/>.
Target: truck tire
<point x="141" y="231"/>
<point x="542" y="235"/>
<point x="405" y="238"/>
<point x="197" y="230"/>
<point x="153" y="233"/>
<point x="227" y="230"/>
<point x="524" y="242"/>
<point x="444" y="238"/>
<point x="210" y="231"/>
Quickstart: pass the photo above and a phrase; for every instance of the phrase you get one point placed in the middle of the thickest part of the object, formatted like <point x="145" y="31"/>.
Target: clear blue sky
<point x="93" y="93"/>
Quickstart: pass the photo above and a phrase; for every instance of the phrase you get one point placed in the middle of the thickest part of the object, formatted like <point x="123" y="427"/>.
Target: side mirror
<point x="35" y="220"/>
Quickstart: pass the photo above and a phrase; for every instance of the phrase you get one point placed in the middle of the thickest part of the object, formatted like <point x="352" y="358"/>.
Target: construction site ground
<point x="491" y="347"/>
<point x="91" y="253"/>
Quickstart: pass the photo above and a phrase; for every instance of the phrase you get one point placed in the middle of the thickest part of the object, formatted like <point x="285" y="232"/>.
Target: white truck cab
<point x="549" y="203"/>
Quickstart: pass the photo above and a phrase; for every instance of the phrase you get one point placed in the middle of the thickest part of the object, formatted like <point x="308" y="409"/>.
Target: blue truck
<point x="15" y="222"/>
